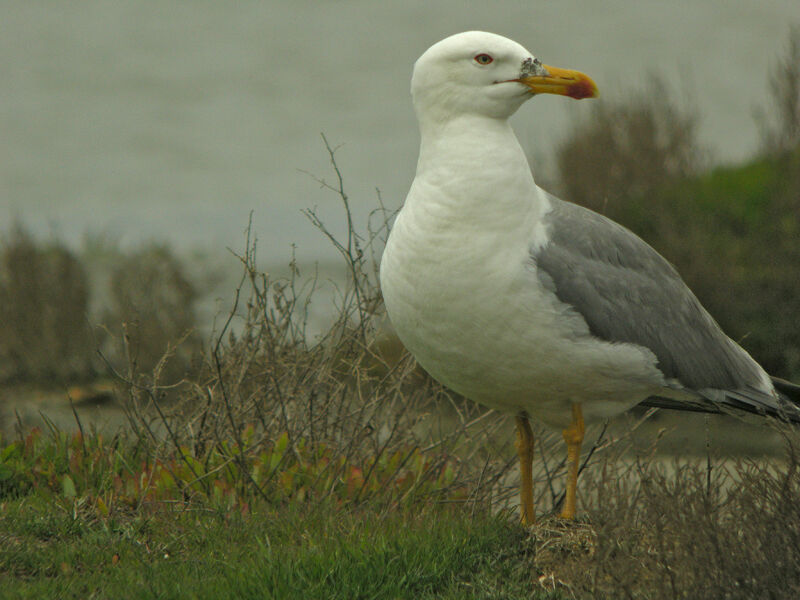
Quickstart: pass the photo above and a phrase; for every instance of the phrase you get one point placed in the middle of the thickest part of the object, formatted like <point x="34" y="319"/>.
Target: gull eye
<point x="483" y="59"/>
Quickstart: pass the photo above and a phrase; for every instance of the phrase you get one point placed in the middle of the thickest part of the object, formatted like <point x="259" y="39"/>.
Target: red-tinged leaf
<point x="75" y="461"/>
<point x="31" y="439"/>
<point x="355" y="479"/>
<point x="287" y="481"/>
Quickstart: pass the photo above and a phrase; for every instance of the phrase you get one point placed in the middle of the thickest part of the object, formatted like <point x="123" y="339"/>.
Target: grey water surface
<point x="174" y="119"/>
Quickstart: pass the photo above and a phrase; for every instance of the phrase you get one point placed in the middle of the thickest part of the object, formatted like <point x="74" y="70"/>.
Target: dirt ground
<point x="26" y="406"/>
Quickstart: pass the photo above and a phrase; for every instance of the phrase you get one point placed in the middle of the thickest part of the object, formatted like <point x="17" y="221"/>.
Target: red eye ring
<point x="483" y="59"/>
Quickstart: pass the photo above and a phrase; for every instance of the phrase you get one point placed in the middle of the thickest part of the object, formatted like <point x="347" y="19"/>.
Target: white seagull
<point x="529" y="304"/>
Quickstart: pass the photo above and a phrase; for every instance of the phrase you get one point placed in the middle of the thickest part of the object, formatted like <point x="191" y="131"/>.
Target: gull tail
<point x="789" y="394"/>
<point x="749" y="401"/>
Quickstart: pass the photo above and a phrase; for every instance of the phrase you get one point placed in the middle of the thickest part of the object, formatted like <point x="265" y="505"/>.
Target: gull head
<point x="482" y="73"/>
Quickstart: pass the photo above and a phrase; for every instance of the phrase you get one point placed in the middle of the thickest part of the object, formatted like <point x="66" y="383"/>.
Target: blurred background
<point x="137" y="138"/>
<point x="172" y="121"/>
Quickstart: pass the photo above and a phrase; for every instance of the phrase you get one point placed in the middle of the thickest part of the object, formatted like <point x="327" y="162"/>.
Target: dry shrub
<point x="780" y="125"/>
<point x="778" y="250"/>
<point x="44" y="329"/>
<point x="626" y="152"/>
<point x="151" y="309"/>
<point x="679" y="531"/>
<point x="358" y="428"/>
<point x="753" y="286"/>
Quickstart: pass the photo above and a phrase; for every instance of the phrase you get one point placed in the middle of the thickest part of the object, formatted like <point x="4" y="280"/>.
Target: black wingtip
<point x="790" y="391"/>
<point x="789" y="394"/>
<point x="742" y="402"/>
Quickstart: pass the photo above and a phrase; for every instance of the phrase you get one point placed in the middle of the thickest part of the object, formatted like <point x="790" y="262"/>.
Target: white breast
<point x="464" y="298"/>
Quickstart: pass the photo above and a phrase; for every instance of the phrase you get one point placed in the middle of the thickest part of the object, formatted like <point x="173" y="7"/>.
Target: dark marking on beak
<point x="533" y="67"/>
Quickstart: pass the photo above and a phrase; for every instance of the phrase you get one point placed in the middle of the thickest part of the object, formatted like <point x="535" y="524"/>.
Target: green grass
<point x="47" y="553"/>
<point x="83" y="517"/>
<point x="646" y="531"/>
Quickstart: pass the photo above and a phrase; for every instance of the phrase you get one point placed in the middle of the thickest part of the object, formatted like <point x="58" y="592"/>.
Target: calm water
<point x="176" y="119"/>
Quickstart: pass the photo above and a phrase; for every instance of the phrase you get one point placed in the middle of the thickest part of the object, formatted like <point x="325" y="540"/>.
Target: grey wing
<point x="627" y="292"/>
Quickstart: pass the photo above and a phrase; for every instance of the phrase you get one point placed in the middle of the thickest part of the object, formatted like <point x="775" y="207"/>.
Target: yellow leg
<point x="525" y="451"/>
<point x="573" y="436"/>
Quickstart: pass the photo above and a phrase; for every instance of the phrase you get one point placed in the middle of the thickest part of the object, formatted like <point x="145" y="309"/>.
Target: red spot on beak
<point x="582" y="89"/>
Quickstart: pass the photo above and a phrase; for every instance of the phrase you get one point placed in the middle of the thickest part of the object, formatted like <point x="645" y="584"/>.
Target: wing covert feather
<point x="627" y="292"/>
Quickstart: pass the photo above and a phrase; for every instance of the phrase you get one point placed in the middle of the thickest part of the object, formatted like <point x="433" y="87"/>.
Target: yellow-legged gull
<point x="533" y="305"/>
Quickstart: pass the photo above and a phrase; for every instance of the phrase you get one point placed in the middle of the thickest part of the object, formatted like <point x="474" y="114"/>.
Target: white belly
<point x="475" y="315"/>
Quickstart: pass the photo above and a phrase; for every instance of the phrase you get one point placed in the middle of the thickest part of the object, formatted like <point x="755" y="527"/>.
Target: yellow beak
<point x="563" y="82"/>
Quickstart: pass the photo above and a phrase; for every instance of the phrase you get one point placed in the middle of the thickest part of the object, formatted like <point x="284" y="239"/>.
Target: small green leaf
<point x="102" y="507"/>
<point x="68" y="487"/>
<point x="6" y="472"/>
<point x="281" y="443"/>
<point x="9" y="450"/>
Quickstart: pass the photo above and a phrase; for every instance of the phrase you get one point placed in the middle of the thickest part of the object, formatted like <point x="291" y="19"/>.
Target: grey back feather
<point x="627" y="292"/>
